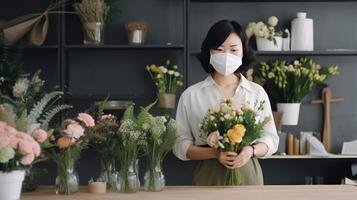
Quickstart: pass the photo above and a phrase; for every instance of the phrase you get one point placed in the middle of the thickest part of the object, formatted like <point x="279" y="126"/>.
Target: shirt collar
<point x="244" y="83"/>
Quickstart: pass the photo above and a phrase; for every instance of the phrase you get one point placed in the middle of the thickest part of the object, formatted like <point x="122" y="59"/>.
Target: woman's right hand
<point x="226" y="158"/>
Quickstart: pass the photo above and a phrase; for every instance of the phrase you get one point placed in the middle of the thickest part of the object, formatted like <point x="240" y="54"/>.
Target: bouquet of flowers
<point x="231" y="127"/>
<point x="103" y="139"/>
<point x="160" y="137"/>
<point x="65" y="147"/>
<point x="17" y="149"/>
<point x="131" y="135"/>
<point x="290" y="82"/>
<point x="167" y="80"/>
<point x="261" y="30"/>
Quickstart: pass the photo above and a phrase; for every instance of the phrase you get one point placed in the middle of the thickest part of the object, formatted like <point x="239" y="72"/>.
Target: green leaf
<point x="48" y="116"/>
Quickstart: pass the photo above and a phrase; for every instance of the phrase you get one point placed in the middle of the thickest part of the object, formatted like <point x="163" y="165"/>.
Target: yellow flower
<point x="236" y="134"/>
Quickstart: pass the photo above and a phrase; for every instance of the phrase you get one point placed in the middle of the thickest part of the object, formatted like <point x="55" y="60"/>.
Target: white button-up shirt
<point x="198" y="98"/>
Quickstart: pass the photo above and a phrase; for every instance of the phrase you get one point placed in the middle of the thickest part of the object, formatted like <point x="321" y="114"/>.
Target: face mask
<point x="225" y="63"/>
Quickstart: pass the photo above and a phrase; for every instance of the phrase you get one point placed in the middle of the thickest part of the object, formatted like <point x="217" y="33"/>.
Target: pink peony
<point x="14" y="142"/>
<point x="86" y="119"/>
<point x="4" y="141"/>
<point x="74" y="131"/>
<point x="25" y="147"/>
<point x="40" y="135"/>
<point x="213" y="138"/>
<point x="27" y="159"/>
<point x="36" y="149"/>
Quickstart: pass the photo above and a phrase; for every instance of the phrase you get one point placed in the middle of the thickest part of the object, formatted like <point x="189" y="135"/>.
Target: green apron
<point x="211" y="172"/>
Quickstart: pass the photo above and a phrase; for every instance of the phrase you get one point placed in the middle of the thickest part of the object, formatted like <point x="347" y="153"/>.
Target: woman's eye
<point x="234" y="50"/>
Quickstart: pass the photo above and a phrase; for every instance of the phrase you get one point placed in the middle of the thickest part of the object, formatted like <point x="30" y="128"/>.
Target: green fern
<point x="37" y="111"/>
<point x="144" y="114"/>
<point x="129" y="113"/>
<point x="51" y="113"/>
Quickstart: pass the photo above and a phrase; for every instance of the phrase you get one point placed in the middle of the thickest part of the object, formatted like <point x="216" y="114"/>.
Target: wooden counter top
<point x="291" y="192"/>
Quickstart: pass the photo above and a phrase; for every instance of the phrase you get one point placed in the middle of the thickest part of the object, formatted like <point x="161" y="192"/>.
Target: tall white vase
<point x="290" y="113"/>
<point x="10" y="184"/>
<point x="302" y="33"/>
<point x="268" y="45"/>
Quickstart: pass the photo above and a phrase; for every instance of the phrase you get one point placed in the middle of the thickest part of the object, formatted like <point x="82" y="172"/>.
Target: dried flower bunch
<point x="136" y="26"/>
<point x="92" y="10"/>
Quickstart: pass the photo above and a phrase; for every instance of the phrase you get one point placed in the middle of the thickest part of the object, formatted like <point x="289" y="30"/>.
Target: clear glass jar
<point x="128" y="179"/>
<point x="93" y="33"/>
<point x="154" y="179"/>
<point x="109" y="174"/>
<point x="67" y="180"/>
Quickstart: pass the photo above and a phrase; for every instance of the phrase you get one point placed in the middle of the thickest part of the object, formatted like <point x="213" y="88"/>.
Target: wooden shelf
<point x="300" y="53"/>
<point x="263" y="1"/>
<point x="111" y="97"/>
<point x="297" y="157"/>
<point x="127" y="47"/>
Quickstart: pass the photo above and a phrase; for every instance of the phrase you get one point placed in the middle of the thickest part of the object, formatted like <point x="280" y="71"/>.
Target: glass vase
<point x="154" y="179"/>
<point x="67" y="180"/>
<point x="30" y="183"/>
<point x="93" y="33"/>
<point x="109" y="174"/>
<point x="128" y="178"/>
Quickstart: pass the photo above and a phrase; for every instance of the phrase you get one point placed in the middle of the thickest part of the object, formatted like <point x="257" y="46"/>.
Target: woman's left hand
<point x="243" y="157"/>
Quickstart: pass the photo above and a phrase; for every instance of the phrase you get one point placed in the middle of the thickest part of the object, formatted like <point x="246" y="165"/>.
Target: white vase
<point x="268" y="45"/>
<point x="290" y="113"/>
<point x="302" y="33"/>
<point x="10" y="184"/>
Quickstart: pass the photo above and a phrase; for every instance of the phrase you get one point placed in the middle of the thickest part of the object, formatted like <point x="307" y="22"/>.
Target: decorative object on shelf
<point x="302" y="33"/>
<point x="267" y="38"/>
<point x="93" y="14"/>
<point x="326" y="100"/>
<point x="97" y="187"/>
<point x="160" y="138"/>
<point x="286" y="40"/>
<point x="167" y="79"/>
<point x="18" y="150"/>
<point x="131" y="138"/>
<point x="136" y="32"/>
<point x="230" y="126"/>
<point x="65" y="146"/>
<point x="290" y="144"/>
<point x="288" y="83"/>
<point x="304" y="147"/>
<point x="35" y="24"/>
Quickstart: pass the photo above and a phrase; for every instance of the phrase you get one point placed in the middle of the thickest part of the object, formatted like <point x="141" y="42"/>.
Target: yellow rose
<point x="236" y="134"/>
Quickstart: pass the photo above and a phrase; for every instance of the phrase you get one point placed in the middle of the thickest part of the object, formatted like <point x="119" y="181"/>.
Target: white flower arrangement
<point x="261" y="30"/>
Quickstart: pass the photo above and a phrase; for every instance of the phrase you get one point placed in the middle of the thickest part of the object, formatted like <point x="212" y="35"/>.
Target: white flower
<point x="146" y="126"/>
<point x="271" y="75"/>
<point x="177" y="74"/>
<point x="261" y="30"/>
<point x="20" y="87"/>
<point x="211" y="118"/>
<point x="249" y="31"/>
<point x="175" y="67"/>
<point x="170" y="72"/>
<point x="273" y="21"/>
<point x="74" y="131"/>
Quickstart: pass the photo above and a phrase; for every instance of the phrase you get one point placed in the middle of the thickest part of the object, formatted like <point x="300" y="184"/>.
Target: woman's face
<point x="232" y="45"/>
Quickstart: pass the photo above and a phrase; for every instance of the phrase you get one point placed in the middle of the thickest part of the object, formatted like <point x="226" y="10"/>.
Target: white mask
<point x="225" y="63"/>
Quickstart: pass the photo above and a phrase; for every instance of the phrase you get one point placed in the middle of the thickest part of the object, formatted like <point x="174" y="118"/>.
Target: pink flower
<point x="213" y="138"/>
<point x="25" y="147"/>
<point x="27" y="159"/>
<point x="4" y="141"/>
<point x="14" y="142"/>
<point x="40" y="135"/>
<point x="74" y="131"/>
<point x="36" y="149"/>
<point x="86" y="119"/>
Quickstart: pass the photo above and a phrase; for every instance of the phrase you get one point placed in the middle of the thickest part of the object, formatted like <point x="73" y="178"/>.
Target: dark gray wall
<point x="121" y="73"/>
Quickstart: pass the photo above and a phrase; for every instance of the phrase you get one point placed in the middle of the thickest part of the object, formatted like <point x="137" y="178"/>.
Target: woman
<point x="225" y="53"/>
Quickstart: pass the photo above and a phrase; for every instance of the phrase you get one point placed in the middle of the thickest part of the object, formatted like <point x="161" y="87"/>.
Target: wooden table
<point x="298" y="192"/>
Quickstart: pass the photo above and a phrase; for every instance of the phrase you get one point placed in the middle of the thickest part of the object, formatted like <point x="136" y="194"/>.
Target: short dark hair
<point x="215" y="37"/>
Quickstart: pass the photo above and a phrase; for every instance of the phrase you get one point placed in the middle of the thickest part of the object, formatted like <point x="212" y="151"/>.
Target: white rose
<point x="20" y="87"/>
<point x="249" y="31"/>
<point x="273" y="21"/>
<point x="261" y="30"/>
<point x="170" y="72"/>
<point x="177" y="74"/>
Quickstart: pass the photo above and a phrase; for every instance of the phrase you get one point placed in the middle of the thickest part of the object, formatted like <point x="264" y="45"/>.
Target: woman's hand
<point x="243" y="157"/>
<point x="227" y="158"/>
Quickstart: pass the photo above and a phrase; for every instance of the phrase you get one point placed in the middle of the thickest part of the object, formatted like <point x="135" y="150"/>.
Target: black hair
<point x="215" y="37"/>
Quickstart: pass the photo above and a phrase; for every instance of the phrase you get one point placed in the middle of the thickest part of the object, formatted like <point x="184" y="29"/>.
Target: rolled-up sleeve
<point x="269" y="135"/>
<point x="184" y="135"/>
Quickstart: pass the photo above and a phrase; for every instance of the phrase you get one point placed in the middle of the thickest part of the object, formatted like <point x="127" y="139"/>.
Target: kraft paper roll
<point x="97" y="187"/>
<point x="290" y="144"/>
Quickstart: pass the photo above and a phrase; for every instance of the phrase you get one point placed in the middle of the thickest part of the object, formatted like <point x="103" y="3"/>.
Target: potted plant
<point x="267" y="38"/>
<point x="167" y="79"/>
<point x="289" y="82"/>
<point x="18" y="150"/>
